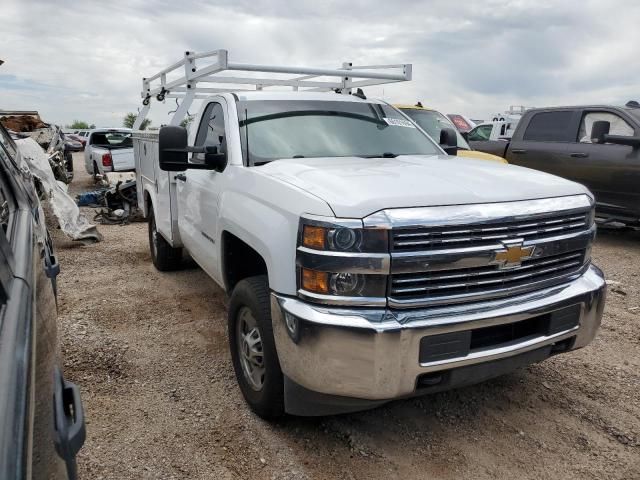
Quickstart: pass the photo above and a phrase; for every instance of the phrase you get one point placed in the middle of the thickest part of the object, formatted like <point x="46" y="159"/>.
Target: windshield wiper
<point x="384" y="155"/>
<point x="313" y="113"/>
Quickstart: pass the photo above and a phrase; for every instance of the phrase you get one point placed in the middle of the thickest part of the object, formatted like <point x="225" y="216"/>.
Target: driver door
<point x="198" y="192"/>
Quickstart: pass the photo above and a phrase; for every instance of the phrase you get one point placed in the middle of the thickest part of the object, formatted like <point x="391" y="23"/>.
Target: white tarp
<point x="71" y="221"/>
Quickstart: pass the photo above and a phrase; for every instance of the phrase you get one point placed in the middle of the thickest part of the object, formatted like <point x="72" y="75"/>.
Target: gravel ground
<point x="149" y="351"/>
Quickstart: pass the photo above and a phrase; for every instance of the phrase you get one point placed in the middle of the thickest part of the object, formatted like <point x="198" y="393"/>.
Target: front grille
<point x="459" y="285"/>
<point x="438" y="238"/>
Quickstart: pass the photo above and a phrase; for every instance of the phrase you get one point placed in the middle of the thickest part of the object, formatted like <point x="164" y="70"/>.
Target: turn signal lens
<point x="314" y="237"/>
<point x="314" y="281"/>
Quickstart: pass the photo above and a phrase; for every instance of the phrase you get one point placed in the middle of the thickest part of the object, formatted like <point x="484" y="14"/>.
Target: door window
<point x="212" y="130"/>
<point x="480" y="133"/>
<point x="618" y="125"/>
<point x="550" y="127"/>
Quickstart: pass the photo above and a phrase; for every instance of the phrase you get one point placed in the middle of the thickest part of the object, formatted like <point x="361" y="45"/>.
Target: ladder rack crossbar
<point x="195" y="69"/>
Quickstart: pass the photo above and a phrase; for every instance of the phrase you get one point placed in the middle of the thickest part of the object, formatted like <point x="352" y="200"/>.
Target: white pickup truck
<point x="363" y="264"/>
<point x="108" y="150"/>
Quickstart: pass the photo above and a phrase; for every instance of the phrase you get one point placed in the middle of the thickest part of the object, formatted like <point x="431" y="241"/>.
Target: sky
<point x="85" y="60"/>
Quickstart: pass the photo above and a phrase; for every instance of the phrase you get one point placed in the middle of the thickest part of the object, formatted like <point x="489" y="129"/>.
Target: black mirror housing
<point x="449" y="141"/>
<point x="172" y="149"/>
<point x="174" y="152"/>
<point x="599" y="129"/>
<point x="214" y="160"/>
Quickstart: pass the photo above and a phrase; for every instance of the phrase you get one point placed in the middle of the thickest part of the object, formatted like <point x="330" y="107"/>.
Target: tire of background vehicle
<point x="68" y="157"/>
<point x="68" y="167"/>
<point x="96" y="172"/>
<point x="164" y="256"/>
<point x="253" y="294"/>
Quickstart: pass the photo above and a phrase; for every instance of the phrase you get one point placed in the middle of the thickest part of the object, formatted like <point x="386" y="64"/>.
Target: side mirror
<point x="173" y="152"/>
<point x="213" y="160"/>
<point x="465" y="135"/>
<point x="449" y="141"/>
<point x="172" y="146"/>
<point x="599" y="130"/>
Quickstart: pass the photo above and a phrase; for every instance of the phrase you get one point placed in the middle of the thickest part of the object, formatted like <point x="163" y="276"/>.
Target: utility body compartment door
<point x="158" y="184"/>
<point x="198" y="191"/>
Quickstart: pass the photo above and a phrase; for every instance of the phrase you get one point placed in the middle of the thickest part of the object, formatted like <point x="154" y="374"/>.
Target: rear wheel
<point x="163" y="255"/>
<point x="96" y="172"/>
<point x="253" y="349"/>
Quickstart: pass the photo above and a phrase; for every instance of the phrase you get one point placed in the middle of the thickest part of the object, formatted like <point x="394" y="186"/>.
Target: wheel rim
<point x="249" y="343"/>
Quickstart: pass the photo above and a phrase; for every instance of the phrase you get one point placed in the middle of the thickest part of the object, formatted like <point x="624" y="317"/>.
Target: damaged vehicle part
<point x="72" y="222"/>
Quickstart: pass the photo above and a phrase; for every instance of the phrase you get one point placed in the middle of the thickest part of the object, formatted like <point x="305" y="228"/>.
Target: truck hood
<point x="356" y="187"/>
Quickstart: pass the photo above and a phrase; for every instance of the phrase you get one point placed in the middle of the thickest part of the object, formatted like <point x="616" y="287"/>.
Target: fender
<point x="270" y="229"/>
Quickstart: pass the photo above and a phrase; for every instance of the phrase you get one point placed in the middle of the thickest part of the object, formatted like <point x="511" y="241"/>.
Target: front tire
<point x="253" y="349"/>
<point x="163" y="255"/>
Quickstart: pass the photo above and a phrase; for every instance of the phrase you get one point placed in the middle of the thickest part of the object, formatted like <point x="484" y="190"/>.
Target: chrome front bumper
<point x="373" y="354"/>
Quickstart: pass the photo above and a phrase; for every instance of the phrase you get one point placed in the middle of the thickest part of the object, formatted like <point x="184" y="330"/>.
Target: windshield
<point x="280" y="129"/>
<point x="112" y="139"/>
<point x="433" y="122"/>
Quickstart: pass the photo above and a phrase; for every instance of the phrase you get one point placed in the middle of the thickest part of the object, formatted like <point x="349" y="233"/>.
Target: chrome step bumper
<point x="373" y="354"/>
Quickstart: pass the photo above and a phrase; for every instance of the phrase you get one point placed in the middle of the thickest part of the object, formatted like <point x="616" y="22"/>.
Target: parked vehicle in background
<point x="433" y="123"/>
<point x="72" y="145"/>
<point x="41" y="415"/>
<point x="596" y="145"/>
<point x="78" y="138"/>
<point x="363" y="264"/>
<point x="462" y="123"/>
<point x="109" y="150"/>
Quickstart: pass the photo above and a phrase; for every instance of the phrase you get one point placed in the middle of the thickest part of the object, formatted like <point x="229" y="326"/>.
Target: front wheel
<point x="253" y="349"/>
<point x="163" y="255"/>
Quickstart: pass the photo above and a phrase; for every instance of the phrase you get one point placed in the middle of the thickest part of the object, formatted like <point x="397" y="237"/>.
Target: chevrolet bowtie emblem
<point x="512" y="256"/>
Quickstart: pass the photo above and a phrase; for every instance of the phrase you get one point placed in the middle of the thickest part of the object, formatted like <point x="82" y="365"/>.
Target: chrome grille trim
<point x="447" y="255"/>
<point x="478" y="256"/>
<point x="477" y="214"/>
<point x="491" y="275"/>
<point x="575" y="259"/>
<point x="423" y="239"/>
<point x="488" y="294"/>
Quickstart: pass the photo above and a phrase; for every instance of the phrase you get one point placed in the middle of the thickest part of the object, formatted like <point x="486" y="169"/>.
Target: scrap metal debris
<point x="72" y="222"/>
<point x="118" y="204"/>
<point x="28" y="124"/>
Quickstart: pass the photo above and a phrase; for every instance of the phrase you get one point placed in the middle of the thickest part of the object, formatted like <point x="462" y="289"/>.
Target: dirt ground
<point x="149" y="351"/>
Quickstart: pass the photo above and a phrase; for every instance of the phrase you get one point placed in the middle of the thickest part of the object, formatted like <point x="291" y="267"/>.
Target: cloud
<point x="85" y="60"/>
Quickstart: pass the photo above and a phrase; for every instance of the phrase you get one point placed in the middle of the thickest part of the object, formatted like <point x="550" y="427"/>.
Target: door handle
<point x="518" y="150"/>
<point x="181" y="176"/>
<point x="70" y="430"/>
<point x="579" y="155"/>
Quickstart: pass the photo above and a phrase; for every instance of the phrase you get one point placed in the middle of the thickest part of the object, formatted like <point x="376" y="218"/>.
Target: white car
<point x="109" y="150"/>
<point x="363" y="264"/>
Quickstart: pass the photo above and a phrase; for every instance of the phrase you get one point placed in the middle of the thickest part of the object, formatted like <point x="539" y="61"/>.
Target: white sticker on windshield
<point x="399" y="122"/>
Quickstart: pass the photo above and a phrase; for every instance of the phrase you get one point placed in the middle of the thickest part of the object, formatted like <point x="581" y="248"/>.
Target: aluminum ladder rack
<point x="195" y="69"/>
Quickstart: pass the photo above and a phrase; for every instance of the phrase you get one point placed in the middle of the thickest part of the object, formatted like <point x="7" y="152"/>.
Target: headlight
<point x="347" y="237"/>
<point x="342" y="284"/>
<point x="341" y="262"/>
